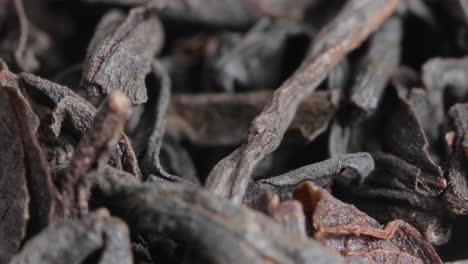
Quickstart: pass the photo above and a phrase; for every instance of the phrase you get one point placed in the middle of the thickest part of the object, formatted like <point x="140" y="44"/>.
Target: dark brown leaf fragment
<point x="427" y="214"/>
<point x="395" y="172"/>
<point x="73" y="114"/>
<point x="375" y="68"/>
<point x="151" y="163"/>
<point x="198" y="118"/>
<point x="456" y="194"/>
<point x="226" y="13"/>
<point x="320" y="173"/>
<point x="74" y="240"/>
<point x="93" y="151"/>
<point x="14" y="193"/>
<point x="45" y="202"/>
<point x="117" y="247"/>
<point x="406" y="139"/>
<point x="259" y="59"/>
<point x="121" y="52"/>
<point x="445" y="78"/>
<point x="230" y="177"/>
<point x="189" y="214"/>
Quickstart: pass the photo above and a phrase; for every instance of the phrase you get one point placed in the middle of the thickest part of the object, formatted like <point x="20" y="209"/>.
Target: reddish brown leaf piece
<point x="428" y="214"/>
<point x="354" y="234"/>
<point x="289" y="213"/>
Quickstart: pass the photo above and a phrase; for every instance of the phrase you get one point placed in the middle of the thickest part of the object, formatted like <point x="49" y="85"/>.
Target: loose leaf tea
<point x="227" y="13"/>
<point x="259" y="59"/>
<point x="15" y="196"/>
<point x="233" y="131"/>
<point x="133" y="40"/>
<point x="354" y="23"/>
<point x="406" y="138"/>
<point x="371" y="79"/>
<point x="321" y="173"/>
<point x="93" y="150"/>
<point x="189" y="117"/>
<point x="42" y="193"/>
<point x="353" y="233"/>
<point x="74" y="240"/>
<point x="186" y="212"/>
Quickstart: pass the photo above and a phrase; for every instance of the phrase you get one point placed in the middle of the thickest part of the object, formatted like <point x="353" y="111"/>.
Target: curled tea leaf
<point x="75" y="240"/>
<point x="185" y="212"/>
<point x="230" y="177"/>
<point x="120" y="54"/>
<point x="376" y="67"/>
<point x="319" y="173"/>
<point x="93" y="151"/>
<point x="195" y="117"/>
<point x="353" y="233"/>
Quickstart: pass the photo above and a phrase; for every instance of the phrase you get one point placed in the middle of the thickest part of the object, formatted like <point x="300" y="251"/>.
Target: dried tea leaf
<point x="194" y="117"/>
<point x="120" y="54"/>
<point x="227" y="13"/>
<point x="189" y="214"/>
<point x="339" y="77"/>
<point x="45" y="202"/>
<point x="177" y="160"/>
<point x="117" y="247"/>
<point x="73" y="112"/>
<point x="320" y="173"/>
<point x="230" y="177"/>
<point x="352" y="233"/>
<point x="74" y="240"/>
<point x="150" y="163"/>
<point x="456" y="194"/>
<point x="424" y="111"/>
<point x="289" y="213"/>
<point x="425" y="213"/>
<point x="65" y="104"/>
<point x="405" y="138"/>
<point x="445" y="77"/>
<point x="375" y="68"/>
<point x="260" y="59"/>
<point x="94" y="151"/>
<point x="14" y="193"/>
<point x="395" y="172"/>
